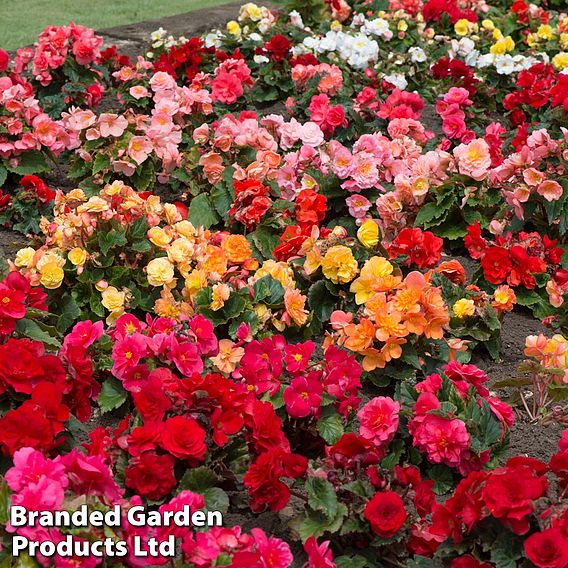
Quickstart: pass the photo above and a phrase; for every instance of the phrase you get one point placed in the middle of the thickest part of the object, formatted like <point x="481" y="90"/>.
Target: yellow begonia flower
<point x="368" y="234"/>
<point x="463" y="308"/>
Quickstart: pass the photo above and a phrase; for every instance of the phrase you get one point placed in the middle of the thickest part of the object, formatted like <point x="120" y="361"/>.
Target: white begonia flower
<point x="296" y="19"/>
<point x="397" y="79"/>
<point x="417" y="54"/>
<point x="485" y="60"/>
<point x="378" y="27"/>
<point x="504" y="64"/>
<point x="213" y="39"/>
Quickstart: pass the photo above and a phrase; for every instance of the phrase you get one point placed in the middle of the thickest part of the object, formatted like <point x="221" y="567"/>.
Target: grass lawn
<point x="21" y="21"/>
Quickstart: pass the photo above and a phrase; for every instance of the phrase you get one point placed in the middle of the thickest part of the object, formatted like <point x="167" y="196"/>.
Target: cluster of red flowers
<point x="38" y="188"/>
<point x="401" y="104"/>
<point x="111" y="58"/>
<point x="457" y="71"/>
<point x="433" y="11"/>
<point x="525" y="12"/>
<point x="326" y="116"/>
<point x="310" y="207"/>
<point x="252" y="201"/>
<point x="538" y="86"/>
<point x="187" y="57"/>
<point x="277" y="48"/>
<point x="422" y="248"/>
<point x="16" y="295"/>
<point x="445" y="437"/>
<point x="515" y="259"/>
<point x="292" y="238"/>
<point x="58" y="384"/>
<point x="510" y="494"/>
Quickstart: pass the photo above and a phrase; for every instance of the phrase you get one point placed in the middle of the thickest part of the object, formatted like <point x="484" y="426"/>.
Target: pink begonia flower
<point x="185" y="357"/>
<point x="358" y="205"/>
<point x="444" y="440"/>
<point x="83" y="334"/>
<point x="226" y="88"/>
<point x="551" y="190"/>
<point x="459" y="96"/>
<point x="112" y="125"/>
<point x="319" y="555"/>
<point x="30" y="465"/>
<point x="203" y="332"/>
<point x="162" y="81"/>
<point x="311" y="134"/>
<point x="89" y="475"/>
<point x="379" y="420"/>
<point x="127" y="353"/>
<point x="339" y="319"/>
<point x="124" y="167"/>
<point x="177" y="503"/>
<point x="139" y="148"/>
<point x="138" y="92"/>
<point x="474" y="159"/>
<point x="303" y="397"/>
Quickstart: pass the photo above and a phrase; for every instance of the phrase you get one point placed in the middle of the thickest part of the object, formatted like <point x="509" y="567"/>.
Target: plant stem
<point x="525" y="405"/>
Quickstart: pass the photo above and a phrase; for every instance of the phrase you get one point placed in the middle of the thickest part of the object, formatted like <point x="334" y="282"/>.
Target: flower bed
<point x="252" y="301"/>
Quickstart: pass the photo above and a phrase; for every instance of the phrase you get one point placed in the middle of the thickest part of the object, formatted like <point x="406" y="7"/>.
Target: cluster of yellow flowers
<point x="251" y="18"/>
<point x="77" y="218"/>
<point x="547" y="33"/>
<point x="502" y="300"/>
<point x="177" y="250"/>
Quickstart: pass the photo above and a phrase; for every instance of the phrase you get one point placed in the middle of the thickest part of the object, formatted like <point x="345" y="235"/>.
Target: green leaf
<point x="488" y="429"/>
<point x="392" y="459"/>
<point x="138" y="229"/>
<point x="558" y="392"/>
<point x="321" y="300"/>
<point x="198" y="479"/>
<point x="330" y="428"/>
<point x="201" y="212"/>
<point x="506" y="551"/>
<point x="222" y="198"/>
<point x="427" y="213"/>
<point x="3" y="175"/>
<point x="316" y="524"/>
<point x="33" y="330"/>
<point x="215" y="500"/>
<point x="112" y="395"/>
<point x="141" y="246"/>
<point x="69" y="314"/>
<point x="5" y="500"/>
<point x="443" y="478"/>
<point x="111" y="239"/>
<point x="100" y="163"/>
<point x="268" y="290"/>
<point x="450" y="230"/>
<point x="32" y="162"/>
<point x="145" y="177"/>
<point x="422" y="562"/>
<point x="322" y="496"/>
<point x="265" y="240"/>
<point x="526" y="297"/>
<point x="351" y="562"/>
